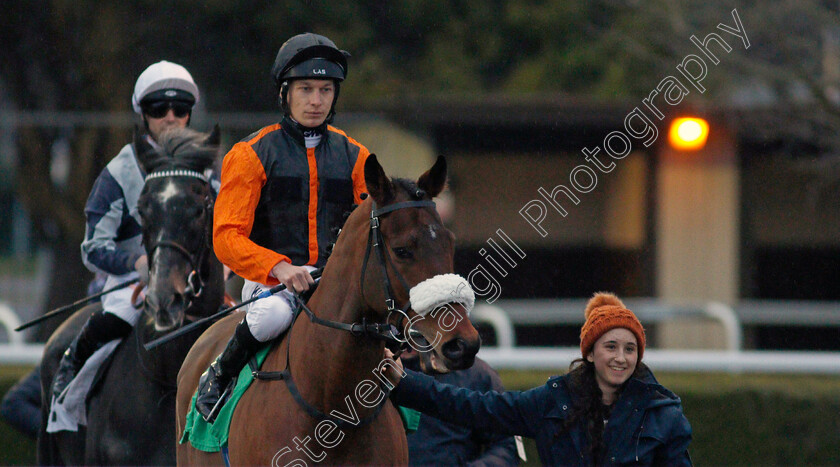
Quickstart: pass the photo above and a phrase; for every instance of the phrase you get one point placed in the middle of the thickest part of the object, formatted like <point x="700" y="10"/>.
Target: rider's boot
<point x="216" y="383"/>
<point x="99" y="329"/>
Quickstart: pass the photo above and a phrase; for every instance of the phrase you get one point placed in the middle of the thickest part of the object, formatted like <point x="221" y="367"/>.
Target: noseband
<point x="195" y="284"/>
<point x="387" y="331"/>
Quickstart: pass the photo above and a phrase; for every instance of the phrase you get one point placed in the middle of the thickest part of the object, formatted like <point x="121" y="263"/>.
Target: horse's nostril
<point x="454" y="349"/>
<point x="460" y="352"/>
<point x="178" y="301"/>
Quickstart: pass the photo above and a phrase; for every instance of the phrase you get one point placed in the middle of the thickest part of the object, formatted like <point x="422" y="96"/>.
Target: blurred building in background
<point x="749" y="215"/>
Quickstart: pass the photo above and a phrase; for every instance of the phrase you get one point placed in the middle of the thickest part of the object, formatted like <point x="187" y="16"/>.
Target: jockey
<point x="284" y="189"/>
<point x="164" y="96"/>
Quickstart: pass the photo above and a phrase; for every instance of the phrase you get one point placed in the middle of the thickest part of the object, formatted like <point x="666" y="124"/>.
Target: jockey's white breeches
<point x="271" y="316"/>
<point x="118" y="302"/>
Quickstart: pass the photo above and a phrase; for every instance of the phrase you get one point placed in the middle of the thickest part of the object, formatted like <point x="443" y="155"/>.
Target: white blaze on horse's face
<point x="432" y="232"/>
<point x="167" y="193"/>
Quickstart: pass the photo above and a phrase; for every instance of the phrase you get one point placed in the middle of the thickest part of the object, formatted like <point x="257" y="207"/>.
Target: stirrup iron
<point x="214" y="412"/>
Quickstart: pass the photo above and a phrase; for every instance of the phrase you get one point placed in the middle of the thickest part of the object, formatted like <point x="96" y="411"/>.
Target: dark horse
<point x="393" y="241"/>
<point x="131" y="408"/>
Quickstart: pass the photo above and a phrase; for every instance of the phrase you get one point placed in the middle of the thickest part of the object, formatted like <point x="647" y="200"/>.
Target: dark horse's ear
<point x="378" y="184"/>
<point x="215" y="136"/>
<point x="433" y="181"/>
<point x="145" y="152"/>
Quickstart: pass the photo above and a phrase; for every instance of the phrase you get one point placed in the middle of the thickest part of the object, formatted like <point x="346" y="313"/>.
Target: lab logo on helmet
<point x="321" y="71"/>
<point x="171" y="93"/>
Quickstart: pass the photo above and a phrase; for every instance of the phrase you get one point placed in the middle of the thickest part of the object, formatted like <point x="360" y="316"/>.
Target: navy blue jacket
<point x="440" y="443"/>
<point x="646" y="425"/>
<point x="21" y="406"/>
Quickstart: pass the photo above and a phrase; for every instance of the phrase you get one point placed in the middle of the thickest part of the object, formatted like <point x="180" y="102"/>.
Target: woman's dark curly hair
<point x="587" y="407"/>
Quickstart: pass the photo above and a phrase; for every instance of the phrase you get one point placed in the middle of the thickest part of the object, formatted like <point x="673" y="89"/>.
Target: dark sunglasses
<point x="159" y="109"/>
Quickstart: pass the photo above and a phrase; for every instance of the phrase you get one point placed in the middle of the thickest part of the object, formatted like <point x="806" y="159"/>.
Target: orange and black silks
<point x="280" y="201"/>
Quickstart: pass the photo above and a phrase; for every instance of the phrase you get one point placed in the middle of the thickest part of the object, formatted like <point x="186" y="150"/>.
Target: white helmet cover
<point x="162" y="75"/>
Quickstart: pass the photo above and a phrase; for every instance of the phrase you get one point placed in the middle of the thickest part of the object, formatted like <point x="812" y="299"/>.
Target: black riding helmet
<point x="308" y="55"/>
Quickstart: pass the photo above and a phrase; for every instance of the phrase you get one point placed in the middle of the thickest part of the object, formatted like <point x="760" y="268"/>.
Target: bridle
<point x="195" y="283"/>
<point x="386" y="331"/>
<point x="376" y="242"/>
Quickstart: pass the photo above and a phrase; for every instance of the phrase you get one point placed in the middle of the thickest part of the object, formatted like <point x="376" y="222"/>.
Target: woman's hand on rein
<point x="393" y="373"/>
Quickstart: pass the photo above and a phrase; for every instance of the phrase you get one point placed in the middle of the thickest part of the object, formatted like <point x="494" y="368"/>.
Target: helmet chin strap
<point x="282" y="101"/>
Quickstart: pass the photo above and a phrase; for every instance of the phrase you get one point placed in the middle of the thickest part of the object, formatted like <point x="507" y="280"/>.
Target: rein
<point x="147" y="372"/>
<point x="380" y="331"/>
<point x="385" y="331"/>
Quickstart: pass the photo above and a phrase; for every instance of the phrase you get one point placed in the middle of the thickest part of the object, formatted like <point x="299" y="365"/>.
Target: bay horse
<point x="131" y="408"/>
<point x="393" y="241"/>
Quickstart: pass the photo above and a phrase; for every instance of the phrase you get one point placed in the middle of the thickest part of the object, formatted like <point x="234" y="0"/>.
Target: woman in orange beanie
<point x="608" y="410"/>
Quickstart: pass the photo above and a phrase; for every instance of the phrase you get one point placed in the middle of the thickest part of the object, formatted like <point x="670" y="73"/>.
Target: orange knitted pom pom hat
<point x="603" y="313"/>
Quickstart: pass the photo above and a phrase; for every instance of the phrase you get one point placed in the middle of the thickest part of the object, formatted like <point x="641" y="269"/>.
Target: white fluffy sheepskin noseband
<point x="440" y="290"/>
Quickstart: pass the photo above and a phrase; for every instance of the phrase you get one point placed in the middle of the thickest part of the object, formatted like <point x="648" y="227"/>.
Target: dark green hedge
<point x="16" y="449"/>
<point x="755" y="427"/>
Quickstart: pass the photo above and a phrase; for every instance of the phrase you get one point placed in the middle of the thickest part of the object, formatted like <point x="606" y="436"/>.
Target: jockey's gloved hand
<point x="142" y="268"/>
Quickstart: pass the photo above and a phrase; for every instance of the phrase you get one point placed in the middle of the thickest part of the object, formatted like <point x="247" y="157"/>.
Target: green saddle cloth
<point x="211" y="437"/>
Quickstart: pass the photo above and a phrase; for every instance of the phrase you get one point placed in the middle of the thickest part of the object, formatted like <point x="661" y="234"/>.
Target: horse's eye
<point x="403" y="253"/>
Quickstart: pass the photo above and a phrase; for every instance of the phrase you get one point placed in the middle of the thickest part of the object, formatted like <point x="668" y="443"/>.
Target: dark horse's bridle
<point x="195" y="283"/>
<point x="386" y="331"/>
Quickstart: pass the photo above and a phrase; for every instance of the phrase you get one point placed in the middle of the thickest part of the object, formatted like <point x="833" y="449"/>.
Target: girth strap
<point x="313" y="412"/>
<point x="286" y="375"/>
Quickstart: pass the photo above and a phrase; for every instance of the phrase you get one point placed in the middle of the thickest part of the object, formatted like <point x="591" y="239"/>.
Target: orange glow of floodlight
<point x="688" y="134"/>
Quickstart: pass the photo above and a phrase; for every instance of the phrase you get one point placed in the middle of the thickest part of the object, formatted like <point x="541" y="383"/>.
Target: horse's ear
<point x="378" y="184"/>
<point x="433" y="181"/>
<point x="145" y="152"/>
<point x="215" y="136"/>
